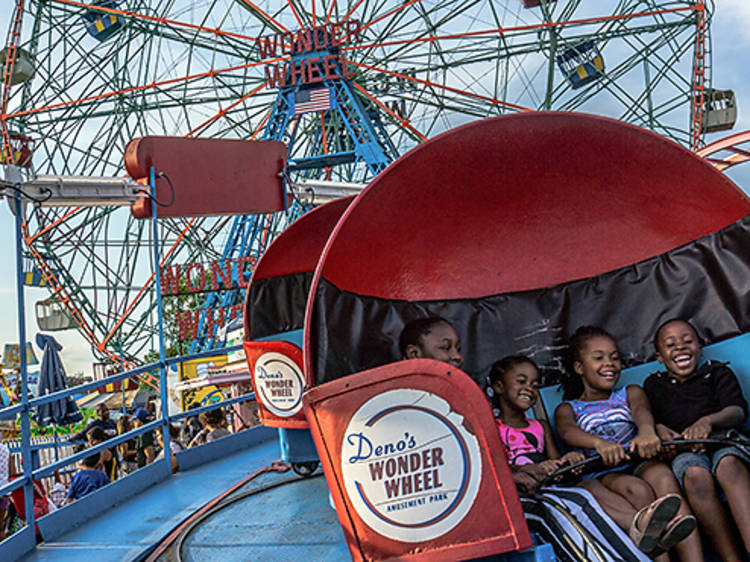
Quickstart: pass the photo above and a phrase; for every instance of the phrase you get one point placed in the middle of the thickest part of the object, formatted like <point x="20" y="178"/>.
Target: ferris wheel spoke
<point x="389" y="13"/>
<point x="31" y="238"/>
<point x="290" y="3"/>
<point x="404" y="123"/>
<point x="267" y="18"/>
<point x="661" y="74"/>
<point x="430" y="84"/>
<point x="262" y="124"/>
<point x="160" y="20"/>
<point x="329" y="12"/>
<point x="131" y="89"/>
<point x="143" y="292"/>
<point x="223" y="112"/>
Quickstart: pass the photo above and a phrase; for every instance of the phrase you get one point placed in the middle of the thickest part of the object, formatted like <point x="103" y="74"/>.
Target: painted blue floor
<point x="248" y="529"/>
<point x="290" y="522"/>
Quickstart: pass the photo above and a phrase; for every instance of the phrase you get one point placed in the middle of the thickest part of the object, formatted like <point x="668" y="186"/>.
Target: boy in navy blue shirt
<point x="692" y="400"/>
<point x="87" y="479"/>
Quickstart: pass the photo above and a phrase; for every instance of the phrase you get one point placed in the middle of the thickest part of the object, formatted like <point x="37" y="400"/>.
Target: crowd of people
<point x="662" y="498"/>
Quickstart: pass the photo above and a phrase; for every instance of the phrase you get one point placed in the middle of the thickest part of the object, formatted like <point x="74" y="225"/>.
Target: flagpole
<point x="160" y="314"/>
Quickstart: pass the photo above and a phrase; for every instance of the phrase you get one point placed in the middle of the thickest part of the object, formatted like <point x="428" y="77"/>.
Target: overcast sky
<point x="730" y="46"/>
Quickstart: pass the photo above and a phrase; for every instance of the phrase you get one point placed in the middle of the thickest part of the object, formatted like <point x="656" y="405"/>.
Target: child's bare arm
<point x="550" y="447"/>
<point x="540" y="470"/>
<point x="647" y="442"/>
<point x="728" y="417"/>
<point x="569" y="431"/>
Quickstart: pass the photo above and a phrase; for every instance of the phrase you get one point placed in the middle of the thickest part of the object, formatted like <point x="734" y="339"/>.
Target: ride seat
<point x="102" y="25"/>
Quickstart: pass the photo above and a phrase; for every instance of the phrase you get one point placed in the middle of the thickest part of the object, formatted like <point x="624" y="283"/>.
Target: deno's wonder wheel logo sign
<point x="278" y="383"/>
<point x="410" y="468"/>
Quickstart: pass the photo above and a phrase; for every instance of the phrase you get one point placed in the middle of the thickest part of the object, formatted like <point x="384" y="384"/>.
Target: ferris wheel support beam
<point x="699" y="78"/>
<point x="8" y="67"/>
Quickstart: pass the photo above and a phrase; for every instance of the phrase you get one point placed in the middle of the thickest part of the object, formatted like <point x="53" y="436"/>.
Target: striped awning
<point x="113" y="400"/>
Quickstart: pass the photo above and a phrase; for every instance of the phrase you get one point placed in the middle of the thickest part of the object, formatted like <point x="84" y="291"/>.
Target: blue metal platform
<point x="247" y="529"/>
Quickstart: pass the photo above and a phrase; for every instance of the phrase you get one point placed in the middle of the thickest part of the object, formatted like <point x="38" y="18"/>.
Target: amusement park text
<point x="311" y="69"/>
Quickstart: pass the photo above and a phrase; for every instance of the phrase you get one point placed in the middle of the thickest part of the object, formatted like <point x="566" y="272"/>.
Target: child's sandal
<point x="653" y="520"/>
<point x="675" y="531"/>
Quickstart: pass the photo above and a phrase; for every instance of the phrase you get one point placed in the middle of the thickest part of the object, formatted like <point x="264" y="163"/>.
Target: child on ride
<point x="515" y="381"/>
<point x="692" y="400"/>
<point x="431" y="338"/>
<point x="596" y="418"/>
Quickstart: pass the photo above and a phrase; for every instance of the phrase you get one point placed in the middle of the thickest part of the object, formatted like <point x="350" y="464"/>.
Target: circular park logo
<point x="410" y="467"/>
<point x="278" y="384"/>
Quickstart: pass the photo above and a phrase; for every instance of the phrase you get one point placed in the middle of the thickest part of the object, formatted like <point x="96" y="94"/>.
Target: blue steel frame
<point x="24" y="540"/>
<point x="160" y="316"/>
<point x="26" y="536"/>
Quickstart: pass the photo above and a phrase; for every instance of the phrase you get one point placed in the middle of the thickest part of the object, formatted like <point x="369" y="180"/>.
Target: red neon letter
<point x="329" y="67"/>
<point x="275" y="73"/>
<point x="241" y="269"/>
<point x="320" y="37"/>
<point x="336" y="38"/>
<point x="225" y="274"/>
<point x="188" y="323"/>
<point x="170" y="282"/>
<point x="201" y="281"/>
<point x="212" y="323"/>
<point x="304" y="41"/>
<point x="295" y="71"/>
<point x="352" y="31"/>
<point x="287" y="43"/>
<point x="265" y="47"/>
<point x="313" y="73"/>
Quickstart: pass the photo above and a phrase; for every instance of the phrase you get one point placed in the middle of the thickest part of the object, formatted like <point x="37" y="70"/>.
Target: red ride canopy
<point x="277" y="294"/>
<point x="525" y="201"/>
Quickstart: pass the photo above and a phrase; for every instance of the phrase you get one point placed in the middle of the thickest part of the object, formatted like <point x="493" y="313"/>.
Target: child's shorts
<point x="683" y="461"/>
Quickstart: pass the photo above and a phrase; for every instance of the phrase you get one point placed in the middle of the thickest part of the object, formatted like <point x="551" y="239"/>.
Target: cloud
<point x="739" y="9"/>
<point x="731" y="19"/>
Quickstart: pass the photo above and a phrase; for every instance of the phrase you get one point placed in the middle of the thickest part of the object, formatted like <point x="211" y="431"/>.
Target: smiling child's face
<point x="599" y="364"/>
<point x="519" y="387"/>
<point x="678" y="348"/>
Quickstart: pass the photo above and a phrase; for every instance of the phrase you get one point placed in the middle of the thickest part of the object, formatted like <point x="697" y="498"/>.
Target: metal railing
<point x="24" y="408"/>
<point x="26" y="537"/>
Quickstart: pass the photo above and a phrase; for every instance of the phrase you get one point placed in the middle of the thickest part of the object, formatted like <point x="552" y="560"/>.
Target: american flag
<point x="312" y="100"/>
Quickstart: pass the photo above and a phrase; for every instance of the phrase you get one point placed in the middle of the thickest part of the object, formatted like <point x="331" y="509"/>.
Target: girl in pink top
<point x="529" y="444"/>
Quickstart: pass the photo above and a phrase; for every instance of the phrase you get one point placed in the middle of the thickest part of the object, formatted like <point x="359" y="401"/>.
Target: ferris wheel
<point x="89" y="76"/>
